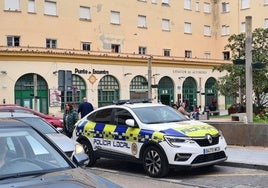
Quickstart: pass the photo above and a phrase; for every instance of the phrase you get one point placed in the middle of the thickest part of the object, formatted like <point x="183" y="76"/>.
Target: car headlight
<point x="78" y="149"/>
<point x="176" y="141"/>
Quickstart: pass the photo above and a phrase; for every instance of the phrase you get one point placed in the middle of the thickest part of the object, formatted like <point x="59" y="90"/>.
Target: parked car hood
<point x="74" y="178"/>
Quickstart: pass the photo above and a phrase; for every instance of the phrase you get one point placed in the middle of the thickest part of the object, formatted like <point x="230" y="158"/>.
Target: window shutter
<point x="12" y="5"/>
<point x="50" y="8"/>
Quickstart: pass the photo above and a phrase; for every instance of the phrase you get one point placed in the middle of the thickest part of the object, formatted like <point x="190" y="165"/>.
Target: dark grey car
<point x="67" y="145"/>
<point x="29" y="158"/>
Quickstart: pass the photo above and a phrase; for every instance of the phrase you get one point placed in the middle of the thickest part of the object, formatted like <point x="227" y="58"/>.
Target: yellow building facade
<point x="53" y="52"/>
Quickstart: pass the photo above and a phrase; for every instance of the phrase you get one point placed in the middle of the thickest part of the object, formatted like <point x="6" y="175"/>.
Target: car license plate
<point x="211" y="150"/>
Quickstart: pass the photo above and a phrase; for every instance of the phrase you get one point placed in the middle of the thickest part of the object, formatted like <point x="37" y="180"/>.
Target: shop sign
<point x="176" y="71"/>
<point x="93" y="71"/>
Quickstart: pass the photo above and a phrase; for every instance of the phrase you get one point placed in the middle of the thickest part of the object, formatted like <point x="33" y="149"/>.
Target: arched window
<point x="108" y="90"/>
<point x="138" y="88"/>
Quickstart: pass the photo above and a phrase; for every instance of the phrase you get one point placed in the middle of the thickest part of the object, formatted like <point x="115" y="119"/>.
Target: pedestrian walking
<point x="85" y="107"/>
<point x="183" y="111"/>
<point x="70" y="117"/>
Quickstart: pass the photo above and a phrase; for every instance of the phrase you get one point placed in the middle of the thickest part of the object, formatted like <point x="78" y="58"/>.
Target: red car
<point x="55" y="121"/>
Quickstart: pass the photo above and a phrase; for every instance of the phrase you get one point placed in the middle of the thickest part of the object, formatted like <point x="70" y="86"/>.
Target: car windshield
<point x="25" y="152"/>
<point x="158" y="114"/>
<point x="39" y="124"/>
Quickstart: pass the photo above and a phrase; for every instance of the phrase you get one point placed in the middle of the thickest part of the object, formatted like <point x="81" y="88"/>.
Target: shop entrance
<point x="189" y="93"/>
<point x="25" y="89"/>
<point x="211" y="96"/>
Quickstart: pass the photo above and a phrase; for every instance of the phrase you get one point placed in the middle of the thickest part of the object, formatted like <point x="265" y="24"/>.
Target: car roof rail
<point x="132" y="101"/>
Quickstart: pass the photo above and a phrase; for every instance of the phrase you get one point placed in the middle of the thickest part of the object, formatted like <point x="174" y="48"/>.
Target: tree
<point x="229" y="84"/>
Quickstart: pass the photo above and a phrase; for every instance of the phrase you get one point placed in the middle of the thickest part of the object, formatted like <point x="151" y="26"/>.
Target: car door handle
<point x="114" y="133"/>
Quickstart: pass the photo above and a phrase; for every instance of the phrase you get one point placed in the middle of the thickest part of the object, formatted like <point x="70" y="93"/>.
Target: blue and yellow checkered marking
<point x="99" y="130"/>
<point x="124" y="133"/>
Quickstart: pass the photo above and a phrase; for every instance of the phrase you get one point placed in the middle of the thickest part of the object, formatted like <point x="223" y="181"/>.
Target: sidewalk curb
<point x="244" y="165"/>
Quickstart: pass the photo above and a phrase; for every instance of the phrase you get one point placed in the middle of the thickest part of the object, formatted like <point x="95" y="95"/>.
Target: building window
<point x="165" y="2"/>
<point x="187" y="28"/>
<point x="244" y="4"/>
<point x="12" y="5"/>
<point x="86" y="46"/>
<point x="207" y="55"/>
<point x="266" y="23"/>
<point x="225" y="7"/>
<point x="31" y="6"/>
<point x="197" y="6"/>
<point x="115" y="17"/>
<point x="225" y="30"/>
<point x="142" y="21"/>
<point x="165" y="25"/>
<point x="13" y="40"/>
<point x="154" y="1"/>
<point x="243" y="27"/>
<point x="207" y="30"/>
<point x="226" y="55"/>
<point x="188" y="54"/>
<point x="50" y="8"/>
<point x="115" y="48"/>
<point x="265" y="2"/>
<point x="187" y="4"/>
<point x="51" y="43"/>
<point x="85" y="13"/>
<point x="206" y="7"/>
<point x="166" y="52"/>
<point x="142" y="50"/>
<point x="142" y="0"/>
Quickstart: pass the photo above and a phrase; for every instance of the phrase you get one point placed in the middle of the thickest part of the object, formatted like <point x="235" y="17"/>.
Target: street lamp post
<point x="249" y="85"/>
<point x="150" y="77"/>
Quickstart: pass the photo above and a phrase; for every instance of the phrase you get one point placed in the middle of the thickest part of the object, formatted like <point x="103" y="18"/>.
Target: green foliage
<point x="229" y="85"/>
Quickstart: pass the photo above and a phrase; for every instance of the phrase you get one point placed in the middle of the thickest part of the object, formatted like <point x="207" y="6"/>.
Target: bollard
<point x="207" y="111"/>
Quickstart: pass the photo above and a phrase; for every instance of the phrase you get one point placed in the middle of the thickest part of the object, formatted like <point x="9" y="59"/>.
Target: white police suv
<point x="155" y="135"/>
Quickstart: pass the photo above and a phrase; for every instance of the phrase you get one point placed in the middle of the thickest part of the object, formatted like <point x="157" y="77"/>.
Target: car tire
<point x="89" y="151"/>
<point x="155" y="162"/>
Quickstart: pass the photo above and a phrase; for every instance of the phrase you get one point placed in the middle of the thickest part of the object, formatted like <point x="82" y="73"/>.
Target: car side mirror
<point x="80" y="159"/>
<point x="130" y="122"/>
<point x="60" y="129"/>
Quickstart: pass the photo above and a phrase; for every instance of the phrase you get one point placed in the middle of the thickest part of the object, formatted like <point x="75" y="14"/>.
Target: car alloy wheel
<point x="154" y="162"/>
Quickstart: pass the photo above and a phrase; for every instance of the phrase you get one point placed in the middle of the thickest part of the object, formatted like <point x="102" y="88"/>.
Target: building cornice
<point x="93" y="57"/>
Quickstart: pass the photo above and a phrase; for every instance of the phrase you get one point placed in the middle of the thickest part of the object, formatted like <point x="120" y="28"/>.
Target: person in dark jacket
<point x="85" y="107"/>
<point x="70" y="117"/>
